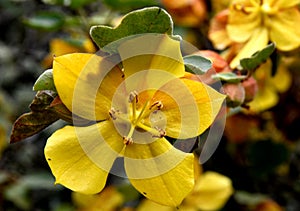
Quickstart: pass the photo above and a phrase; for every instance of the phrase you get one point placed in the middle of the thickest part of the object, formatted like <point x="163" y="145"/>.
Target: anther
<point x="112" y="113"/>
<point x="127" y="140"/>
<point x="133" y="96"/>
<point x="157" y="104"/>
<point x="161" y="133"/>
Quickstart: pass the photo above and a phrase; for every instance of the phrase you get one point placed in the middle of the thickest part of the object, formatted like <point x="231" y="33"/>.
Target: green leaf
<point x="45" y="82"/>
<point x="197" y="64"/>
<point x="250" y="199"/>
<point x="39" y="180"/>
<point x="74" y="4"/>
<point x="127" y="5"/>
<point x="147" y="20"/>
<point x="48" y="21"/>
<point x="258" y="58"/>
<point x="19" y="191"/>
<point x="229" y="77"/>
<point x="18" y="194"/>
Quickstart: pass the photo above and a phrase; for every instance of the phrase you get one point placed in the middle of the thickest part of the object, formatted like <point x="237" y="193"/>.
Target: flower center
<point x="267" y="9"/>
<point x="136" y="118"/>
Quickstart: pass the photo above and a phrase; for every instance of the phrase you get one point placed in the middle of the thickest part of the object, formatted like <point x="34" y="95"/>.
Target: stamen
<point x="127" y="140"/>
<point x="136" y="117"/>
<point x="245" y="9"/>
<point x="112" y="113"/>
<point x="161" y="133"/>
<point x="133" y="99"/>
<point x="133" y="96"/>
<point x="157" y="105"/>
<point x="142" y="113"/>
<point x="156" y="131"/>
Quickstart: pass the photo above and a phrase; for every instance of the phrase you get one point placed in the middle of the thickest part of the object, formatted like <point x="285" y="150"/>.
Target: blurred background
<point x="259" y="151"/>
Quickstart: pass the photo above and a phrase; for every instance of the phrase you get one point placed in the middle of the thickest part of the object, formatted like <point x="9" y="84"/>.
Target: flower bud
<point x="187" y="13"/>
<point x="251" y="88"/>
<point x="235" y="94"/>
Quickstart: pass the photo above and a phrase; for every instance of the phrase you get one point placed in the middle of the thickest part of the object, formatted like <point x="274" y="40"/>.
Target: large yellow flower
<point x="255" y="22"/>
<point x="131" y="110"/>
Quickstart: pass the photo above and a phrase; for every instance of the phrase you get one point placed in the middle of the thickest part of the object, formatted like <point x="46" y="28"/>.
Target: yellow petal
<point x="80" y="157"/>
<point x="108" y="200"/>
<point x="159" y="171"/>
<point x="282" y="80"/>
<point x="281" y="4"/>
<point x="189" y="107"/>
<point x="152" y="206"/>
<point x="265" y="99"/>
<point x="150" y="61"/>
<point x="60" y="47"/>
<point x="283" y="31"/>
<point x="241" y="25"/>
<point x="217" y="30"/>
<point x="258" y="41"/>
<point x="152" y="51"/>
<point x="211" y="192"/>
<point x="77" y="78"/>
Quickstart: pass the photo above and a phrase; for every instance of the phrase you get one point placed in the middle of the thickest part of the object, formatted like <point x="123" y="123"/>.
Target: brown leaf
<point x="62" y="111"/>
<point x="65" y="114"/>
<point x="41" y="101"/>
<point x="31" y="123"/>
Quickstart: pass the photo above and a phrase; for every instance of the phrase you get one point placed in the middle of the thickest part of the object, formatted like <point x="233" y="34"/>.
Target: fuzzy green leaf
<point x="128" y="5"/>
<point x="258" y="58"/>
<point x="147" y="20"/>
<point x="48" y="21"/>
<point x="196" y="64"/>
<point x="45" y="81"/>
<point x="229" y="77"/>
<point x="74" y="4"/>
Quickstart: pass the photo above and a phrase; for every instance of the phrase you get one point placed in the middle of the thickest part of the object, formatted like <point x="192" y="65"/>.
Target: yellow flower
<point x="269" y="86"/>
<point x="108" y="200"/>
<point x="211" y="192"/>
<point x="131" y="111"/>
<point x="59" y="47"/>
<point x="255" y="22"/>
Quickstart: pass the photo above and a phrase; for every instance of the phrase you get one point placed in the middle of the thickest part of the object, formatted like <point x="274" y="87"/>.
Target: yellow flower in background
<point x="132" y="109"/>
<point x="211" y="192"/>
<point x="218" y="6"/>
<point x="217" y="30"/>
<point x="256" y="22"/>
<point x="59" y="47"/>
<point x="108" y="200"/>
<point x="269" y="86"/>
